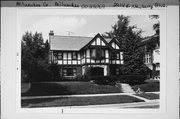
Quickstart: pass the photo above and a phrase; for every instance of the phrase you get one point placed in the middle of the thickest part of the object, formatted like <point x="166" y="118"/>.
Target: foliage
<point x="104" y="80"/>
<point x="87" y="73"/>
<point x="34" y="59"/>
<point x="156" y="26"/>
<point x="129" y="38"/>
<point x="148" y="87"/>
<point x="111" y="80"/>
<point x="132" y="79"/>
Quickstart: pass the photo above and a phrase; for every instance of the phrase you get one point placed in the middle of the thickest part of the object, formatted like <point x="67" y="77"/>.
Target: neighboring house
<point x="75" y="54"/>
<point x="152" y="56"/>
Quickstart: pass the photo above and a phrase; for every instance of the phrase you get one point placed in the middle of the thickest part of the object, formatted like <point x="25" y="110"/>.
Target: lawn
<point x="69" y="88"/>
<point x="150" y="96"/>
<point x="148" y="87"/>
<point x="78" y="101"/>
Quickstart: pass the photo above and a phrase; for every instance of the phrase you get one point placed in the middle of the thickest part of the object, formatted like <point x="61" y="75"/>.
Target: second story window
<point x="93" y="53"/>
<point x="115" y="56"/>
<point x="74" y="55"/>
<point x="60" y="56"/>
<point x="147" y="58"/>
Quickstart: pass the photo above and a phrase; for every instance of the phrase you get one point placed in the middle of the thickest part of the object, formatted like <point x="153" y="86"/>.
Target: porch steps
<point x="126" y="88"/>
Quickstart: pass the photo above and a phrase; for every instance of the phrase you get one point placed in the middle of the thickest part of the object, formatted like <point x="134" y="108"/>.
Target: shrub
<point x="41" y="74"/>
<point x="148" y="87"/>
<point x="104" y="80"/>
<point x="132" y="79"/>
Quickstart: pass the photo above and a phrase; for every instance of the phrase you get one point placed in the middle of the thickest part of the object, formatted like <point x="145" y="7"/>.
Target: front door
<point x="97" y="71"/>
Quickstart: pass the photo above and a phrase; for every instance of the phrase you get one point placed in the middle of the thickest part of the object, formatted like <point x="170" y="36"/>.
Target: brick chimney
<point x="51" y="33"/>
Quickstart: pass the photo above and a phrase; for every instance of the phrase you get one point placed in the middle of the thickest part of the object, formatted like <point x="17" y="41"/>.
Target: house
<point x="75" y="54"/>
<point x="152" y="56"/>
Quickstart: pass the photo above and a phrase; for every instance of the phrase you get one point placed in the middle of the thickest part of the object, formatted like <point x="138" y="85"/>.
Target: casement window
<point x="60" y="56"/>
<point x="147" y="58"/>
<point x="69" y="71"/>
<point x="74" y="55"/>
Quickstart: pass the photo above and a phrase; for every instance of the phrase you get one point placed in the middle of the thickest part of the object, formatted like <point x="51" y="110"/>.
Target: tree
<point x="133" y="54"/>
<point x="119" y="29"/>
<point x="34" y="58"/>
<point x="129" y="38"/>
<point x="156" y="26"/>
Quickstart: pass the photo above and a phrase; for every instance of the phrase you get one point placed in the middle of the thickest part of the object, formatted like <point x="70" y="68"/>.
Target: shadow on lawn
<point x="42" y="89"/>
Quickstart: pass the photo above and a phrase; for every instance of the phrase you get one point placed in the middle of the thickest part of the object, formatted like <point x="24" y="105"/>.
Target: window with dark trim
<point x="74" y="55"/>
<point x="69" y="71"/>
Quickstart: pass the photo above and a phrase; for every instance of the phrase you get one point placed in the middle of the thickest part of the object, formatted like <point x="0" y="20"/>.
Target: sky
<point x="81" y="25"/>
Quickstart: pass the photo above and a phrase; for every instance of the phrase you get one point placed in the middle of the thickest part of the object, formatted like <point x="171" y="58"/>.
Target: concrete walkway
<point x="122" y="105"/>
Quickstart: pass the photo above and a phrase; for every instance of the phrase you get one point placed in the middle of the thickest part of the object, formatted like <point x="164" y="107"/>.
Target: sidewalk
<point x="88" y="95"/>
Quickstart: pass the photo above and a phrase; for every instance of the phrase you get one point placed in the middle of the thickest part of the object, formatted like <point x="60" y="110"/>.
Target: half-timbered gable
<point x="73" y="54"/>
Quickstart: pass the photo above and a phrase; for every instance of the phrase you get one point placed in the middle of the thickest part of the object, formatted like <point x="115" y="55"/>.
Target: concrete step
<point x="126" y="88"/>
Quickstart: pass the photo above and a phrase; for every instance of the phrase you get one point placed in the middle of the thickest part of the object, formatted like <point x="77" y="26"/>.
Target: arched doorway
<point x="97" y="71"/>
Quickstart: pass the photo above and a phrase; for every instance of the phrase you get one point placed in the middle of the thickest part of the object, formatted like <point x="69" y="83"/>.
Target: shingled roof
<point x="74" y="43"/>
<point x="70" y="43"/>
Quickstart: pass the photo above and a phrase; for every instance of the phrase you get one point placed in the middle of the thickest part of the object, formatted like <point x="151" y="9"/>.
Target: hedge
<point x="129" y="79"/>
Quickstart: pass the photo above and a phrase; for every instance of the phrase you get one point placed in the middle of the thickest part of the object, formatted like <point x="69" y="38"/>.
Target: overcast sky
<point x="81" y="25"/>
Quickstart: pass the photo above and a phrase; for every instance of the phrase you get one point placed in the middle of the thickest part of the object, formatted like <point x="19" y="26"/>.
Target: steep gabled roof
<point x="74" y="43"/>
<point x="70" y="43"/>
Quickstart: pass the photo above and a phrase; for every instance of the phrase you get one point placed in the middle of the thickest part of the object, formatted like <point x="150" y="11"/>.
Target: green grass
<point x="150" y="96"/>
<point x="148" y="87"/>
<point x="69" y="88"/>
<point x="78" y="101"/>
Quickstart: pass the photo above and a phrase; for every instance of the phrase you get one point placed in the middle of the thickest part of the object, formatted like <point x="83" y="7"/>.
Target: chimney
<point x="51" y="33"/>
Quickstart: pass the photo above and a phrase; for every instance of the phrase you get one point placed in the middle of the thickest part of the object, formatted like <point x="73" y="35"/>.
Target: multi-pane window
<point x="147" y="58"/>
<point x="69" y="72"/>
<point x="74" y="55"/>
<point x="60" y="56"/>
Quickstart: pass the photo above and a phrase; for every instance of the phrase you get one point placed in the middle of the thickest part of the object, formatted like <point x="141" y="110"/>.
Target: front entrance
<point x="97" y="71"/>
